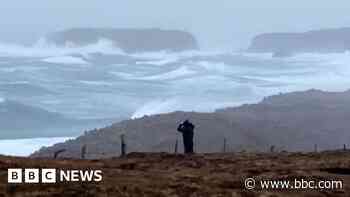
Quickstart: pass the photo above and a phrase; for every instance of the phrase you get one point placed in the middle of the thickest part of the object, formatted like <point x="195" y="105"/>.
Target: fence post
<point x="123" y="145"/>
<point x="224" y="145"/>
<point x="176" y="146"/>
<point x="83" y="151"/>
<point x="344" y="147"/>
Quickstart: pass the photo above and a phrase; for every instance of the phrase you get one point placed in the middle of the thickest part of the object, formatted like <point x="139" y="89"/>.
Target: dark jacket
<point x="186" y="128"/>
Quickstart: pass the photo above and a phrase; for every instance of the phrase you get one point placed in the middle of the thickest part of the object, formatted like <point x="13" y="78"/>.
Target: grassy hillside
<point x="293" y="122"/>
<point x="161" y="174"/>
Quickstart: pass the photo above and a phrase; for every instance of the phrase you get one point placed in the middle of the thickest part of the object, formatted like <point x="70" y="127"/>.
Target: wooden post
<point x="224" y="145"/>
<point x="176" y="146"/>
<point x="57" y="153"/>
<point x="344" y="147"/>
<point x="83" y="151"/>
<point x="123" y="145"/>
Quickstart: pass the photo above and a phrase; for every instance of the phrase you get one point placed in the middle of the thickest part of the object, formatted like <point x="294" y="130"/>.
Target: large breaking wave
<point x="43" y="48"/>
<point x="103" y="81"/>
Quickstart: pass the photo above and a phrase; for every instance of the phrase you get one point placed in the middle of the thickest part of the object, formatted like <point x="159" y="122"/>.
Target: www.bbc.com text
<point x="296" y="184"/>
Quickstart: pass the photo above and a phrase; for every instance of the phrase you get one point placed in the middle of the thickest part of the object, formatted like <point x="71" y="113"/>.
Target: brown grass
<point x="161" y="174"/>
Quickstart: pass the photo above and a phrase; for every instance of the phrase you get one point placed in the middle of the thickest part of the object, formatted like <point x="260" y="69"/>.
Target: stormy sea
<point x="100" y="81"/>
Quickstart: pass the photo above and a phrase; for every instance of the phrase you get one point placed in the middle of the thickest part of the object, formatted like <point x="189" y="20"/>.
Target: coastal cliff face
<point x="129" y="40"/>
<point x="320" y="41"/>
<point x="292" y="122"/>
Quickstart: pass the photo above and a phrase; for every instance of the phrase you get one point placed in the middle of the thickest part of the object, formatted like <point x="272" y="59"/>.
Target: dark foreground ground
<point x="161" y="174"/>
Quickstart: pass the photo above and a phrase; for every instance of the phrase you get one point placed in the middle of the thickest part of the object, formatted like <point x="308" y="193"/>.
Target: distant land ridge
<point x="129" y="40"/>
<point x="320" y="41"/>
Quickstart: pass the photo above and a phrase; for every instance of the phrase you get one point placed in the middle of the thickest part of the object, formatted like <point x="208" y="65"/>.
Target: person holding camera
<point x="187" y="130"/>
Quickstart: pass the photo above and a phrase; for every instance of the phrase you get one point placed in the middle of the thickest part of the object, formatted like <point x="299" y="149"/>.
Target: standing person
<point x="187" y="128"/>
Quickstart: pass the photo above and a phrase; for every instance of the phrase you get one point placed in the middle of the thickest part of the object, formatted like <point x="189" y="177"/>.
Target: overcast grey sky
<point x="216" y="24"/>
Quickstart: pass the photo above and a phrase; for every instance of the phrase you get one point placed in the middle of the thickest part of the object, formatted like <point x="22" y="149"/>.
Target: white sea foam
<point x="165" y="57"/>
<point x="256" y="55"/>
<point x="200" y="80"/>
<point x="183" y="71"/>
<point x="204" y="82"/>
<point x="159" y="62"/>
<point x="14" y="83"/>
<point x="65" y="60"/>
<point x="123" y="75"/>
<point x="157" y="58"/>
<point x="161" y="106"/>
<point x="219" y="67"/>
<point x="44" y="49"/>
<point x="180" y="72"/>
<point x="24" y="147"/>
<point x="51" y="102"/>
<point x="21" y="68"/>
<point x="155" y="107"/>
<point x="97" y="83"/>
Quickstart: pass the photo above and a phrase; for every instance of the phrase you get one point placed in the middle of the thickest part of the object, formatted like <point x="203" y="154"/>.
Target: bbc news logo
<point x="32" y="176"/>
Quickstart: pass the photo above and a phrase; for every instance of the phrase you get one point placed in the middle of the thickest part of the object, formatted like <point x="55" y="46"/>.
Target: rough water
<point x="100" y="81"/>
<point x="24" y="147"/>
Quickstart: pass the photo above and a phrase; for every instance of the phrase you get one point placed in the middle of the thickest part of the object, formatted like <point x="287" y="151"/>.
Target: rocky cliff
<point x="293" y="121"/>
<point x="129" y="40"/>
<point x="320" y="41"/>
